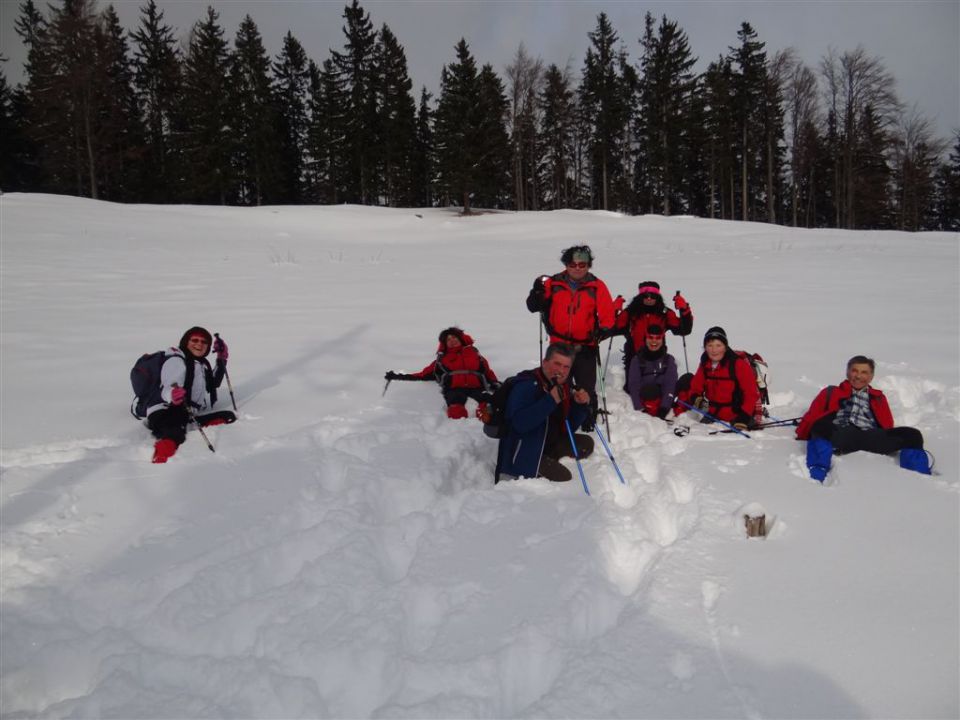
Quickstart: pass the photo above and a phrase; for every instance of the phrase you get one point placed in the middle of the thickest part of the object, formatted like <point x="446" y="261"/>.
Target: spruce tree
<point x="558" y="113"/>
<point x="749" y="103"/>
<point x="326" y="138"/>
<point x="948" y="190"/>
<point x="208" y="140"/>
<point x="158" y="85"/>
<point x="455" y="128"/>
<point x="257" y="140"/>
<point x="423" y="166"/>
<point x="291" y="85"/>
<point x="397" y="128"/>
<point x="491" y="143"/>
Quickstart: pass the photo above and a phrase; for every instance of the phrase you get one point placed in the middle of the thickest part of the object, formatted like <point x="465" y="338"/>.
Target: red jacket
<point x="731" y="388"/>
<point x="636" y="325"/>
<point x="577" y="316"/>
<point x="461" y="367"/>
<point x="828" y="402"/>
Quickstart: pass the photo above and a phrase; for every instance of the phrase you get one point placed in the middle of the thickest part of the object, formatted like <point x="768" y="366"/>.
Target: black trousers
<point x="459" y="396"/>
<point x="584" y="374"/>
<point x="550" y="466"/>
<point x="850" y="438"/>
<point x="169" y="423"/>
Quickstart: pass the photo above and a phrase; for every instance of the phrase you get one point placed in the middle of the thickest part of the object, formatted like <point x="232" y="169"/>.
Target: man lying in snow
<point x="853" y="416"/>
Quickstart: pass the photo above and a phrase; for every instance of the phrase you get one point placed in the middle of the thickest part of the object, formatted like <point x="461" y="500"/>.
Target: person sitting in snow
<point x="540" y="404"/>
<point x="724" y="385"/>
<point x="188" y="386"/>
<point x="647" y="308"/>
<point x="461" y="371"/>
<point x="576" y="308"/>
<point x="853" y="416"/>
<point x="652" y="375"/>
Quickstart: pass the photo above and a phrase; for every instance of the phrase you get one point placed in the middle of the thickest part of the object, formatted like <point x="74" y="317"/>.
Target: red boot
<point x="456" y="412"/>
<point x="163" y="450"/>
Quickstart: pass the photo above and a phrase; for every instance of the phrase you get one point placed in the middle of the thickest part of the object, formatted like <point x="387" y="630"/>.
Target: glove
<point x="680" y="303"/>
<point x="618" y="304"/>
<point x="494" y="386"/>
<point x="220" y="348"/>
<point x="742" y="422"/>
<point x="390" y="375"/>
<point x="701" y="403"/>
<point x="742" y="427"/>
<point x="178" y="395"/>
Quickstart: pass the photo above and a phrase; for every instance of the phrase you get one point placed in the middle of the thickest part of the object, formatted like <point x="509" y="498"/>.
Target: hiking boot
<point x="163" y="450"/>
<point x="457" y="412"/>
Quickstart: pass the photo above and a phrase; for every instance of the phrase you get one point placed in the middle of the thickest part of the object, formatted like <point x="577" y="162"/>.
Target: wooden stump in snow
<point x="756" y="526"/>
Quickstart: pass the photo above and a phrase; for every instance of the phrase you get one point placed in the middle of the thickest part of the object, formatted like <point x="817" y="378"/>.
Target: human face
<point x="649" y="299"/>
<point x="860" y="375"/>
<point x="715" y="350"/>
<point x="557" y="367"/>
<point x="197" y="345"/>
<point x="577" y="269"/>
<point x="453" y="342"/>
<point x="654" y="342"/>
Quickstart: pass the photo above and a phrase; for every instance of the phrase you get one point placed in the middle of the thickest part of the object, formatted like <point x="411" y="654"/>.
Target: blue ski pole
<point x="707" y="415"/>
<point x="610" y="454"/>
<point x="576" y="455"/>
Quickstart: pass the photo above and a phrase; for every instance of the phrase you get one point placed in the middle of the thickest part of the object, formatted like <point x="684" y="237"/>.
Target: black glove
<point x="663" y="412"/>
<point x="391" y="375"/>
<point x="494" y="386"/>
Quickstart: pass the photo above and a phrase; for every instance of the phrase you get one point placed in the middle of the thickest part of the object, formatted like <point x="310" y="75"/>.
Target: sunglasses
<point x="578" y="265"/>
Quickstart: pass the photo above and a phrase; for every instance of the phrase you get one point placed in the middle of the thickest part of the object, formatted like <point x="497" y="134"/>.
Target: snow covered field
<point x="345" y="554"/>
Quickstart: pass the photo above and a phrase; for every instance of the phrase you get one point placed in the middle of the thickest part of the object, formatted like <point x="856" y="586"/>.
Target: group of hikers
<point x="541" y="409"/>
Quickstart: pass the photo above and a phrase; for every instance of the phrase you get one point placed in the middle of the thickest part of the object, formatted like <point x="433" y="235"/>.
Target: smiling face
<point x="197" y="345"/>
<point x="655" y="342"/>
<point x="860" y="375"/>
<point x="715" y="350"/>
<point x="453" y="342"/>
<point x="577" y="270"/>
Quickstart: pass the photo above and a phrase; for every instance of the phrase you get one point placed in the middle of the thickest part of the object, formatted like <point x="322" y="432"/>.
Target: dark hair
<point x="567" y="257"/>
<point x="196" y="330"/>
<point x="559" y="349"/>
<point x="861" y="360"/>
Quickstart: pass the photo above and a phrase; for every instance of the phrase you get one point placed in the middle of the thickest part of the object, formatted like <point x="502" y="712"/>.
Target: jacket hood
<point x="196" y="330"/>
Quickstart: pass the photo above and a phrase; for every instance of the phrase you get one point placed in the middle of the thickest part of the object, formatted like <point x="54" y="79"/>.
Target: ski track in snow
<point x="364" y="565"/>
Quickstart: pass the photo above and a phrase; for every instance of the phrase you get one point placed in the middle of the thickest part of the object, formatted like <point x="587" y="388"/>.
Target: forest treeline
<point x="144" y="116"/>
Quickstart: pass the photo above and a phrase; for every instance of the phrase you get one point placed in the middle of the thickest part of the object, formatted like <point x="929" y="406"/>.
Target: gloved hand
<point x="680" y="303"/>
<point x="742" y="427"/>
<point x="494" y="386"/>
<point x="618" y="302"/>
<point x="743" y="422"/>
<point x="390" y="375"/>
<point x="701" y="403"/>
<point x="178" y="395"/>
<point x="221" y="350"/>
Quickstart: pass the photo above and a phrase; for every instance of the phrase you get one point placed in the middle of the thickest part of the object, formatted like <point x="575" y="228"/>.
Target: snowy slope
<point x="345" y="554"/>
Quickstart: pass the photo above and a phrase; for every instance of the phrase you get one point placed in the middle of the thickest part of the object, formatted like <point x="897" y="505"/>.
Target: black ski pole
<point x="603" y="396"/>
<point x="229" y="384"/>
<point x="540" y="334"/>
<point x="707" y="415"/>
<point x="390" y="380"/>
<point x="193" y="419"/>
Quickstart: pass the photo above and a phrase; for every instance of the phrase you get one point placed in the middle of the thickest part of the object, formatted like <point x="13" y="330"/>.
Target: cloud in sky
<point x="918" y="41"/>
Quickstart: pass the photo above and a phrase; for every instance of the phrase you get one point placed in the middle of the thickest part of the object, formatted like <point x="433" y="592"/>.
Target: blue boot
<point x="915" y="459"/>
<point x="819" y="453"/>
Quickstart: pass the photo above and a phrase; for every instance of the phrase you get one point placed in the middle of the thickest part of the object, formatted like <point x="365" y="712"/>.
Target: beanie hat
<point x="649" y="286"/>
<point x="716" y="333"/>
<point x="654" y="330"/>
<point x="196" y="330"/>
<point x="451" y="331"/>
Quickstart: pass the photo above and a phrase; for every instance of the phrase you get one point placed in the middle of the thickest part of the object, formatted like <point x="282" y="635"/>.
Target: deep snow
<point x="345" y="554"/>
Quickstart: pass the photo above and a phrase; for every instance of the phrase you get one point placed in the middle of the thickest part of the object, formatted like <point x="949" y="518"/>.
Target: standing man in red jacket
<point x="576" y="308"/>
<point x="853" y="416"/>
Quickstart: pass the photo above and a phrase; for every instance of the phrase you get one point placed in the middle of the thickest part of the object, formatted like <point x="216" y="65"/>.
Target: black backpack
<point x="145" y="379"/>
<point x="495" y="423"/>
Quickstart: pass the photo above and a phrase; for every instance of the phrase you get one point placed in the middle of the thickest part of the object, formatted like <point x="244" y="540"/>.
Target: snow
<point x="345" y="554"/>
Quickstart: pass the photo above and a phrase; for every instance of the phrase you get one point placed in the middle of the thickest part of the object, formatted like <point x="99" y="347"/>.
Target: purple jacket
<point x="645" y="370"/>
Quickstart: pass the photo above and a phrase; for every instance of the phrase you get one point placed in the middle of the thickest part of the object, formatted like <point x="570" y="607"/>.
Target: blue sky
<point x="918" y="40"/>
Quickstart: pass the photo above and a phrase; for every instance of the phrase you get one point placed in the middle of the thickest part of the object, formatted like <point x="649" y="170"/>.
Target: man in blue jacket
<point x="540" y="404"/>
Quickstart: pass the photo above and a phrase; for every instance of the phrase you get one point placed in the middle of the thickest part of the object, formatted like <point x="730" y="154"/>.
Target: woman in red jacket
<point x="461" y="371"/>
<point x="724" y="385"/>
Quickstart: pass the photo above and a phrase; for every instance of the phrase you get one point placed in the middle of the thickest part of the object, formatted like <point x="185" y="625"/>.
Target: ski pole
<point x="576" y="455"/>
<point x="540" y="335"/>
<point x="385" y="387"/>
<point x="193" y="419"/>
<point x="603" y="396"/>
<point x="686" y="362"/>
<point x="610" y="455"/>
<point x="707" y="415"/>
<point x="229" y="384"/>
<point x="792" y="422"/>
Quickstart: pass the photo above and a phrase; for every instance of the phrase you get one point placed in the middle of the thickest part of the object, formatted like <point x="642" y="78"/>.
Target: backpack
<point x="495" y="423"/>
<point x="760" y="368"/>
<point x="145" y="379"/>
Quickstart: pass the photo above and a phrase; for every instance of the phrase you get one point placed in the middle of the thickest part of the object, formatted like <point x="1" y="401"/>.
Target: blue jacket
<point x="528" y="409"/>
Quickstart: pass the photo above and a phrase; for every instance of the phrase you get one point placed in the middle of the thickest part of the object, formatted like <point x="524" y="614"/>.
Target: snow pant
<point x="459" y="396"/>
<point x="850" y="438"/>
<point x="169" y="423"/>
<point x="550" y="466"/>
<point x="584" y="375"/>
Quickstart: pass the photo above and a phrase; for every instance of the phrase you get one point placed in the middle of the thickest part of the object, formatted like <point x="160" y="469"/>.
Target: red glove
<point x="221" y="350"/>
<point x="618" y="304"/>
<point x="178" y="395"/>
<point x="680" y="303"/>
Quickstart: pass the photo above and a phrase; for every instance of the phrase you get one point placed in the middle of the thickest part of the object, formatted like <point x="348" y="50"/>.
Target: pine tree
<point x="455" y="128"/>
<point x="424" y="164"/>
<point x="525" y="77"/>
<point x="948" y="190"/>
<point x="208" y="138"/>
<point x="397" y="129"/>
<point x="291" y="84"/>
<point x="257" y="138"/>
<point x="721" y="130"/>
<point x="120" y="134"/>
<point x="558" y="114"/>
<point x="158" y="84"/>
<point x="666" y="88"/>
<point x="491" y="143"/>
<point x="750" y="89"/>
<point x="915" y="164"/>
<point x="326" y="139"/>
<point x="872" y="207"/>
<point x="357" y="75"/>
